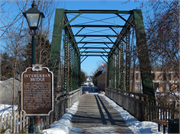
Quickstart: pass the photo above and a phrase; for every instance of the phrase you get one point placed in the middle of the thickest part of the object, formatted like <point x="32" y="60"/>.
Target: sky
<point x="90" y="64"/>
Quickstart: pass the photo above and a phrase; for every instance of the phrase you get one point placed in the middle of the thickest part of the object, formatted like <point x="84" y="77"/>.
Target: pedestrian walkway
<point x="95" y="115"/>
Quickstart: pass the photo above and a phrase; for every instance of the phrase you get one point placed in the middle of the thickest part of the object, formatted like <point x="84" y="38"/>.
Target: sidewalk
<point x="95" y="115"/>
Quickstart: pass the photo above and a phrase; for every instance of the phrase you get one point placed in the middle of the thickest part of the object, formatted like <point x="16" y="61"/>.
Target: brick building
<point x="162" y="81"/>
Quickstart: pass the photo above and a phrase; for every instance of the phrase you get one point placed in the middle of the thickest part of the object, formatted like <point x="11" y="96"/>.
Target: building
<point x="162" y="81"/>
<point x="6" y="91"/>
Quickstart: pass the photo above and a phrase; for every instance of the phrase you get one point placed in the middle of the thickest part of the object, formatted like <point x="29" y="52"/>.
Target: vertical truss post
<point x="79" y="70"/>
<point x="70" y="65"/>
<point x="76" y="71"/>
<point x="66" y="62"/>
<point x="107" y="81"/>
<point x="113" y="70"/>
<point x="121" y="68"/>
<point x="128" y="61"/>
<point x="117" y="69"/>
<point x="56" y="44"/>
<point x="143" y="56"/>
<point x="73" y="69"/>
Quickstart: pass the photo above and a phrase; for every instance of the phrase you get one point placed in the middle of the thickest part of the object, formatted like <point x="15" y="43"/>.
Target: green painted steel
<point x="143" y="56"/>
<point x="97" y="26"/>
<point x="102" y="35"/>
<point x="79" y="31"/>
<point x="56" y="44"/>
<point x="113" y="70"/>
<point x="33" y="49"/>
<point x="121" y="67"/>
<point x="122" y="34"/>
<point x="64" y="48"/>
<point x="128" y="61"/>
<point x="94" y="48"/>
<point x="107" y="80"/>
<point x="94" y="55"/>
<point x="93" y="52"/>
<point x="99" y="11"/>
<point x="117" y="68"/>
<point x="73" y="55"/>
<point x="96" y="42"/>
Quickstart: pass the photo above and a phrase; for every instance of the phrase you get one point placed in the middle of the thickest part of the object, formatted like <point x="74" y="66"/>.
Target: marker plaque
<point x="37" y="91"/>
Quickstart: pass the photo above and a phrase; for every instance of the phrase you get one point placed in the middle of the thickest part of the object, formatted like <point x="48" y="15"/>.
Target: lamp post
<point x="34" y="19"/>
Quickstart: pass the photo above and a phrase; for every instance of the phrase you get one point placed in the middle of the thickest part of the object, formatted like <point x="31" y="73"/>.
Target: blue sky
<point x="90" y="64"/>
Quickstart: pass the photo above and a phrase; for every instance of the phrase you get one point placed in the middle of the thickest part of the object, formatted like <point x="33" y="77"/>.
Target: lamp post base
<point x="37" y="124"/>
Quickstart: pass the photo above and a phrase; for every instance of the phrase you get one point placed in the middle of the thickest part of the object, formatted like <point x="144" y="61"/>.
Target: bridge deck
<point x="95" y="114"/>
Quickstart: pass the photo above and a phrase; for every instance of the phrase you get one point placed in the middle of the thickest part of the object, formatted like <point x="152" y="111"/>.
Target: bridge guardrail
<point x="62" y="101"/>
<point x="134" y="103"/>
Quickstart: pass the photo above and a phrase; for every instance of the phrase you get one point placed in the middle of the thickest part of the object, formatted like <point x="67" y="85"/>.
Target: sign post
<point x="37" y="91"/>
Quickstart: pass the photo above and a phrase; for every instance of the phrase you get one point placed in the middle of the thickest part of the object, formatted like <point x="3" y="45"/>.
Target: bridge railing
<point x="63" y="100"/>
<point x="132" y="102"/>
<point x="141" y="107"/>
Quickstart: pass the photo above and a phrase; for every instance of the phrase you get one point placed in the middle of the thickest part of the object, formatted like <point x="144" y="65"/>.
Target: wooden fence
<point x="20" y="123"/>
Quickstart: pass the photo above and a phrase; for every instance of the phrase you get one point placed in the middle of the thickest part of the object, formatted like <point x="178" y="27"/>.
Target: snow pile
<point x="96" y="130"/>
<point x="63" y="126"/>
<point x="5" y="109"/>
<point x="135" y="125"/>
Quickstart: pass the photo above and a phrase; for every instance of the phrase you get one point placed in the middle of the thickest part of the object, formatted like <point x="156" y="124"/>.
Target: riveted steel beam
<point x="98" y="11"/>
<point x="67" y="23"/>
<point x="94" y="55"/>
<point x="143" y="56"/>
<point x="122" y="34"/>
<point x="79" y="31"/>
<point x="94" y="42"/>
<point x="104" y="59"/>
<point x="84" y="59"/>
<point x="94" y="48"/>
<point x="95" y="35"/>
<point x="93" y="52"/>
<point x="97" y="25"/>
<point x="56" y="44"/>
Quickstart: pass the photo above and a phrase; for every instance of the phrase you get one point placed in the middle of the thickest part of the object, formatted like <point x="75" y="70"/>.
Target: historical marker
<point x="37" y="91"/>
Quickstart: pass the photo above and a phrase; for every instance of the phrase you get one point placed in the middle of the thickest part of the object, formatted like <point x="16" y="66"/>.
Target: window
<point x="177" y="85"/>
<point x="136" y="76"/>
<point x="153" y="76"/>
<point x="169" y="76"/>
<point x="164" y="76"/>
<point x="131" y="76"/>
<point x="169" y="84"/>
<point x="156" y="87"/>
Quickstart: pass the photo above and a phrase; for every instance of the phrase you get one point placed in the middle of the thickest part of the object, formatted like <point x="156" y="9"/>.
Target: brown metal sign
<point x="37" y="91"/>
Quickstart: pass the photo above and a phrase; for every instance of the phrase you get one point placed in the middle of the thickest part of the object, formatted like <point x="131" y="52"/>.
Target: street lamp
<point x="34" y="18"/>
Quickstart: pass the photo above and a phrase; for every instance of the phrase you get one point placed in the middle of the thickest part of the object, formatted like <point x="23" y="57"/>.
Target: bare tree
<point x="14" y="33"/>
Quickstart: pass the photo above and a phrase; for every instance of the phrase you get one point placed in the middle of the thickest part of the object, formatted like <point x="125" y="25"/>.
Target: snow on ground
<point x="5" y="109"/>
<point x="63" y="126"/>
<point x="134" y="124"/>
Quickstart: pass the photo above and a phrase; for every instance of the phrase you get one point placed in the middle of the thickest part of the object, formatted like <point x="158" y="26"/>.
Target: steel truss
<point x="113" y="50"/>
